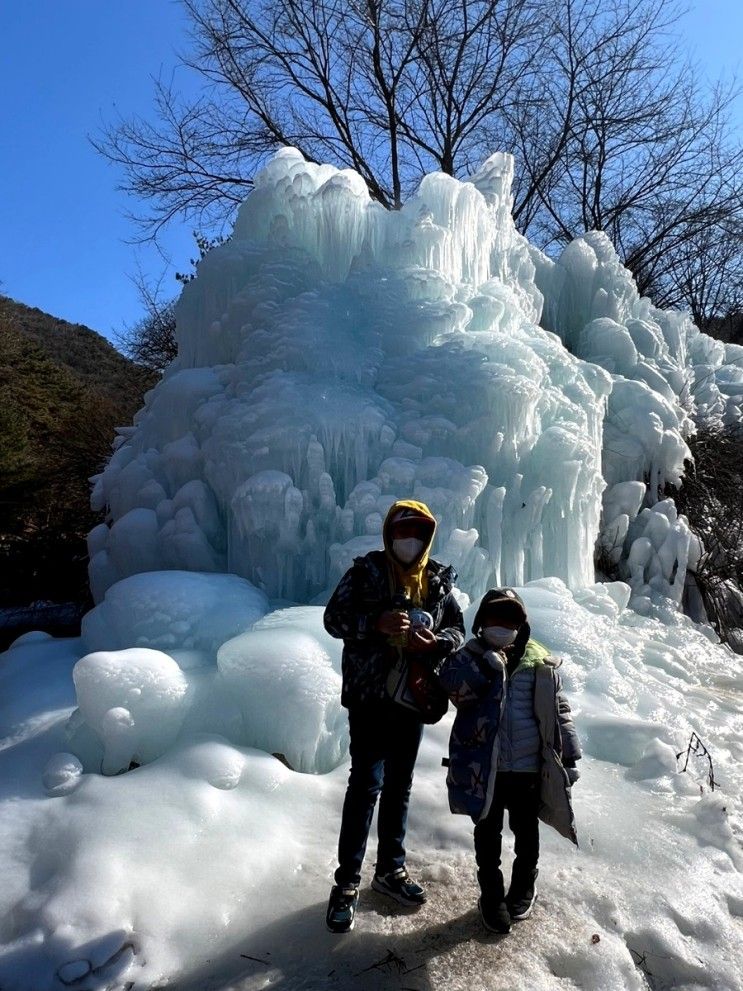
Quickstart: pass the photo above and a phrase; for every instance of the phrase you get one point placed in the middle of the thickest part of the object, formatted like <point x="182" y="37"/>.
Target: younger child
<point x="513" y="746"/>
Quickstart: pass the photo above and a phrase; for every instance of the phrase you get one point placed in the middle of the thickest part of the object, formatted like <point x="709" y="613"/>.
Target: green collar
<point x="534" y="655"/>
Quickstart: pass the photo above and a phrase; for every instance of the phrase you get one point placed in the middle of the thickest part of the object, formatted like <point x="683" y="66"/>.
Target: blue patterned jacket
<point x="476" y="681"/>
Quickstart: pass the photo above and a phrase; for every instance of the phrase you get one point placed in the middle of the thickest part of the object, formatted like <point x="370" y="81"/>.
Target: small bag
<point x="413" y="685"/>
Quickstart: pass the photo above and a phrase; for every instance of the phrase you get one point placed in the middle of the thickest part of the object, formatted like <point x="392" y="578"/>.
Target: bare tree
<point x="151" y="341"/>
<point x="620" y="138"/>
<point x="712" y="498"/>
<point x="608" y="128"/>
<point x="705" y="274"/>
<point x="390" y="88"/>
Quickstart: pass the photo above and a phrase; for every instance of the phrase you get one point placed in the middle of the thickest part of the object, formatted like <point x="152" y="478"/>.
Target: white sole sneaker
<point x="382" y="888"/>
<point x="338" y="930"/>
<point x="527" y="911"/>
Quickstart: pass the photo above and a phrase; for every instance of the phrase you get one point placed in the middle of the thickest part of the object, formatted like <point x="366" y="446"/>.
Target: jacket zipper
<point x="494" y="756"/>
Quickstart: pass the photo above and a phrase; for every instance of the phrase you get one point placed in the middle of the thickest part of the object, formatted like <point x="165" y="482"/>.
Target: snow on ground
<point x="209" y="867"/>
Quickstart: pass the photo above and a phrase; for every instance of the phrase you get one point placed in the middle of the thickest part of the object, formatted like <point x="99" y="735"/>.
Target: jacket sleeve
<point x="450" y="634"/>
<point x="351" y="614"/>
<point x="466" y="678"/>
<point x="571" y="751"/>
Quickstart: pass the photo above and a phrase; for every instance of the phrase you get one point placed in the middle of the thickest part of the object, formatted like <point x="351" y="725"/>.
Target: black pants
<point x="384" y="746"/>
<point x="518" y="792"/>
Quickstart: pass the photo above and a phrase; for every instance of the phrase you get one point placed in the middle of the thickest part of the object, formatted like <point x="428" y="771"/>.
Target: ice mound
<point x="658" y="761"/>
<point x="304" y="619"/>
<point x="173" y="610"/>
<point x="217" y="762"/>
<point x="134" y="701"/>
<point x="275" y="687"/>
<point x="288" y="691"/>
<point x="334" y="356"/>
<point x="33" y="636"/>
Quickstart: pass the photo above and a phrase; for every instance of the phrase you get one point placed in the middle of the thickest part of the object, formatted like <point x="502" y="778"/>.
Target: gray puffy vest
<point x="518" y="730"/>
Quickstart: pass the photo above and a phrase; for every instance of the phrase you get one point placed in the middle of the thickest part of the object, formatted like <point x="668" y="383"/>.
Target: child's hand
<point x="422" y="639"/>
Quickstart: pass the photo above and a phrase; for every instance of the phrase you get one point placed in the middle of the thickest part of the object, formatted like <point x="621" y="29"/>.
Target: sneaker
<point x="520" y="907"/>
<point x="400" y="886"/>
<point x="494" y="914"/>
<point x="341" y="912"/>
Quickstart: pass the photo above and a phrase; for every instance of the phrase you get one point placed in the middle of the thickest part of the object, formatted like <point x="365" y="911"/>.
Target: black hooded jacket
<point x="362" y="595"/>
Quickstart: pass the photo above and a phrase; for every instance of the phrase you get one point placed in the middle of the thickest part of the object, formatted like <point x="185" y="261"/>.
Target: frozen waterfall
<point x="335" y="356"/>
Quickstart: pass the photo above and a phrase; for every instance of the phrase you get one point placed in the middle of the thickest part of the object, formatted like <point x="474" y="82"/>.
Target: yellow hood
<point x="411" y="577"/>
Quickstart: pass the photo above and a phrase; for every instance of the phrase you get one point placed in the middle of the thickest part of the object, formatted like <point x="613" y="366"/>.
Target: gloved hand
<point x="573" y="774"/>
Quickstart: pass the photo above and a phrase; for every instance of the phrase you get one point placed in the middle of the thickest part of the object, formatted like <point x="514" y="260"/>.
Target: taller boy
<point x="366" y="611"/>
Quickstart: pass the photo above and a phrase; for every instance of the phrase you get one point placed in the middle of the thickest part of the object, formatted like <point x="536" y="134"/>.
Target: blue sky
<point x="65" y="66"/>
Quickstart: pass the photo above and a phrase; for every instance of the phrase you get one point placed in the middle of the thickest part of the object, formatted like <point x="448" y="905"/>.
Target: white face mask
<point x="499" y="636"/>
<point x="407" y="549"/>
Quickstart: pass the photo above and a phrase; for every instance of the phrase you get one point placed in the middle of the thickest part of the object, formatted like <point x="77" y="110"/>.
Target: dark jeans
<point x="384" y="745"/>
<point x="518" y="792"/>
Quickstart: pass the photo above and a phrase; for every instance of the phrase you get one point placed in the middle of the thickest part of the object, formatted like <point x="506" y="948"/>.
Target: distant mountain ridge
<point x="65" y="389"/>
<point x="88" y="355"/>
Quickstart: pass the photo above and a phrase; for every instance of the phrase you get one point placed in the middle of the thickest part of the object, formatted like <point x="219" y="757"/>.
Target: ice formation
<point x="288" y="690"/>
<point x="667" y="378"/>
<point x="188" y="613"/>
<point x="173" y="654"/>
<point x="334" y="356"/>
<point x="134" y="701"/>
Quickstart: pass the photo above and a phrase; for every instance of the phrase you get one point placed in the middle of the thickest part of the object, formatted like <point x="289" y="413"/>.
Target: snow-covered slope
<point x="210" y="866"/>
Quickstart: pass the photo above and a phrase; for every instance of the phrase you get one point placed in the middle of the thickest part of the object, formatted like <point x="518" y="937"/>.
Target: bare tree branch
<point x="609" y="128"/>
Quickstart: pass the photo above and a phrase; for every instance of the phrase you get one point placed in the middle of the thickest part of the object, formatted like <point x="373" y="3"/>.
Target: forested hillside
<point x="65" y="388"/>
